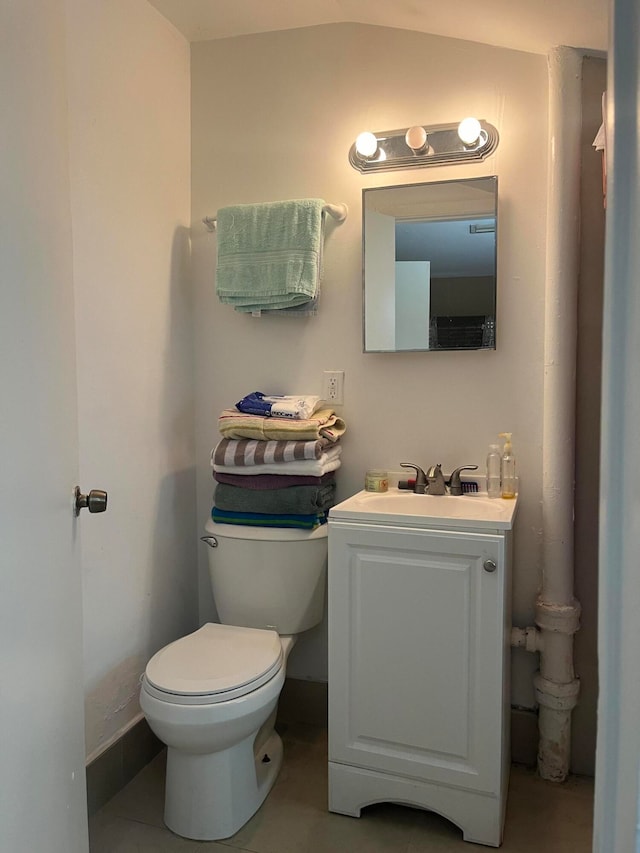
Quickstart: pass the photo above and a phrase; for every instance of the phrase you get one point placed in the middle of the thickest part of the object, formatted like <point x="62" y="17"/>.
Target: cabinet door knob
<point x="489" y="566"/>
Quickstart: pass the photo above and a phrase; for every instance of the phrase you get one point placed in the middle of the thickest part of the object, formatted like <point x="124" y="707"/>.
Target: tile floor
<point x="294" y="817"/>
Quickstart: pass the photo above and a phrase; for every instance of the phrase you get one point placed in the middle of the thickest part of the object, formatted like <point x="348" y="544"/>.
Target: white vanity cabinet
<point x="419" y="641"/>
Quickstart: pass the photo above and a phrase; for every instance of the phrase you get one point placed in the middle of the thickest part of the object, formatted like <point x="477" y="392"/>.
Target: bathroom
<point x="163" y="133"/>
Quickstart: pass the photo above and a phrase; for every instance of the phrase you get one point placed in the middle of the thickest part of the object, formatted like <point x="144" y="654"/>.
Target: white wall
<point x="306" y="94"/>
<point x="128" y="73"/>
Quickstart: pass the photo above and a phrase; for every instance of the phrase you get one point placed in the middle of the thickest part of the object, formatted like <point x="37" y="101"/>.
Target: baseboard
<point x="119" y="763"/>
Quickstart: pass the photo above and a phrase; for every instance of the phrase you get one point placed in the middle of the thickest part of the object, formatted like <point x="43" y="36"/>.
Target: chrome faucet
<point x="431" y="483"/>
<point x="435" y="481"/>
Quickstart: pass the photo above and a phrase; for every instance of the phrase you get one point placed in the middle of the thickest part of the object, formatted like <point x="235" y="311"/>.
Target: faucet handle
<point x="455" y="486"/>
<point x="421" y="477"/>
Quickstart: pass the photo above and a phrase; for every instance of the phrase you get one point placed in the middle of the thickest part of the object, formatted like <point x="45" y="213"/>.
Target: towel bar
<point x="337" y="211"/>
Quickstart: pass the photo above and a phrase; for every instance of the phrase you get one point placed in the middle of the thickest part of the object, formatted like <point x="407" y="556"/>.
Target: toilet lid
<point x="216" y="659"/>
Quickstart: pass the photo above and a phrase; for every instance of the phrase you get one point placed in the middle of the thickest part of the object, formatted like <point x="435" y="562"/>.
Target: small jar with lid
<point x="376" y="480"/>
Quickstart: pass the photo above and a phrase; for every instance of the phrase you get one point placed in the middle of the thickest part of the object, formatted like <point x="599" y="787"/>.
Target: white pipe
<point x="565" y="72"/>
<point x="557" y="611"/>
<point x="529" y="638"/>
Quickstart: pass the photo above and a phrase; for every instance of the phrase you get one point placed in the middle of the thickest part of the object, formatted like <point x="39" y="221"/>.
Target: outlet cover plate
<point x="333" y="387"/>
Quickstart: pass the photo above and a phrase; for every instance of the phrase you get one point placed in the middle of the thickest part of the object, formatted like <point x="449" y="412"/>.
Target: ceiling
<point x="517" y="24"/>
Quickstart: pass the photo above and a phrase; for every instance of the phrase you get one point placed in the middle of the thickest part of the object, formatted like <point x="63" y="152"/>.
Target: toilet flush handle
<point x="211" y="541"/>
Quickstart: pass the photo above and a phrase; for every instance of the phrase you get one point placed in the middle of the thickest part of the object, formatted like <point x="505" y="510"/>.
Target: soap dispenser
<point x="508" y="467"/>
<point x="494" y="464"/>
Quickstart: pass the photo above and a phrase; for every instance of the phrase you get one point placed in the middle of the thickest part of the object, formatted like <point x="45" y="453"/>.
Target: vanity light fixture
<point x="424" y="145"/>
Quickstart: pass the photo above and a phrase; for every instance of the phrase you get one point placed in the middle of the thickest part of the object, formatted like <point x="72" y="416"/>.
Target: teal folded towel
<point x="258" y="519"/>
<point x="269" y="255"/>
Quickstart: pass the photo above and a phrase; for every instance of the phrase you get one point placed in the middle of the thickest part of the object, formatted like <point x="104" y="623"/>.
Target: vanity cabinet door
<point x="417" y="653"/>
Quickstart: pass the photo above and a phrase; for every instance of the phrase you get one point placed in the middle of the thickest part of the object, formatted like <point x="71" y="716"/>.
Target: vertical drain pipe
<point x="557" y="611"/>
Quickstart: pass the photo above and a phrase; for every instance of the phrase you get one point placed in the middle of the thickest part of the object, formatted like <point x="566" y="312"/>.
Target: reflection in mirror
<point x="430" y="266"/>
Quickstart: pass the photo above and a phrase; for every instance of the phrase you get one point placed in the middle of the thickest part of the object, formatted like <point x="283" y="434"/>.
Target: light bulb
<point x="366" y="144"/>
<point x="469" y="130"/>
<point x="416" y="138"/>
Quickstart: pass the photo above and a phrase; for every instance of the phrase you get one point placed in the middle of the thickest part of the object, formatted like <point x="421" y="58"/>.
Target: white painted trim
<point x="618" y="750"/>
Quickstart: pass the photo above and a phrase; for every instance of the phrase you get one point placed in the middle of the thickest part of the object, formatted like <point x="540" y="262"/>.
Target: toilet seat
<point x="216" y="663"/>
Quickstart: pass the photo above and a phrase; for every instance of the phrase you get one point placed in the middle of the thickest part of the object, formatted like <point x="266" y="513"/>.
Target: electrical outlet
<point x="333" y="387"/>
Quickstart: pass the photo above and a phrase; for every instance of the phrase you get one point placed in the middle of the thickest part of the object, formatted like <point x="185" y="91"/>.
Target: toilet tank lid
<point x="271" y="534"/>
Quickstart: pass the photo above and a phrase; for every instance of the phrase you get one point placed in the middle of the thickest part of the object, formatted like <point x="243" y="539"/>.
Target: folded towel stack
<point x="276" y="470"/>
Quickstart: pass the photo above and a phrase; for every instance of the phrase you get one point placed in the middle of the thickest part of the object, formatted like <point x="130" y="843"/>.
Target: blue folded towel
<point x="269" y="255"/>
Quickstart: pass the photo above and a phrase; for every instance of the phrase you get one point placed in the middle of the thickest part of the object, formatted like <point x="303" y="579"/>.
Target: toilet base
<point x="210" y="797"/>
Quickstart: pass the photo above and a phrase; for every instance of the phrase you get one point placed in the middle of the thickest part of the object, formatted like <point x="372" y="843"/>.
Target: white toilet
<point x="212" y="695"/>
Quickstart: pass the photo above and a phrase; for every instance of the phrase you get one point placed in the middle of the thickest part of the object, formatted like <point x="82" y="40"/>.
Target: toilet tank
<point x="268" y="577"/>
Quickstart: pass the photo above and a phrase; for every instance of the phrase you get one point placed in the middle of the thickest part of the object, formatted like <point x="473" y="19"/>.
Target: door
<point x="42" y="768"/>
<point x="617" y="794"/>
<point x="416" y="653"/>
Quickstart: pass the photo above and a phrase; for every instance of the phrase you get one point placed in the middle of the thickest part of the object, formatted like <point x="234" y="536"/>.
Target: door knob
<point x="95" y="501"/>
<point x="489" y="566"/>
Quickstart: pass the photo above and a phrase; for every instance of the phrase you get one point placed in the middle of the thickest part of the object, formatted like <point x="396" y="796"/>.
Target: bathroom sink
<point x="400" y="507"/>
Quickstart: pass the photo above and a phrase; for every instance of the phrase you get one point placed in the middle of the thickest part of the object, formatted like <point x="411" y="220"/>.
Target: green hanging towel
<point x="269" y="255"/>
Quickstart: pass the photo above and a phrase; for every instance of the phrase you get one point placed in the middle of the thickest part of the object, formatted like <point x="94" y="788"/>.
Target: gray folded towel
<point x="299" y="500"/>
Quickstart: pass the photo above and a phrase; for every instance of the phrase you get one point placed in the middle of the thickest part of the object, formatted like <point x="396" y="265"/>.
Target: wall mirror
<point x="429" y="263"/>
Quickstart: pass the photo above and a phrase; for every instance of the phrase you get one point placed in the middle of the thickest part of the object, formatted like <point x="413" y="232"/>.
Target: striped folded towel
<point x="322" y="424"/>
<point x="257" y="519"/>
<point x="245" y="452"/>
<point x="329" y="461"/>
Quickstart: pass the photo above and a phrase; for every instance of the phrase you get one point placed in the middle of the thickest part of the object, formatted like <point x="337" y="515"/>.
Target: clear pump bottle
<point x="493" y="471"/>
<point x="508" y="468"/>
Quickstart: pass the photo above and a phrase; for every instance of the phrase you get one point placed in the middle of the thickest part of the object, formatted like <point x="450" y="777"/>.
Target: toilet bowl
<point x="207" y="697"/>
<point x="212" y="696"/>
